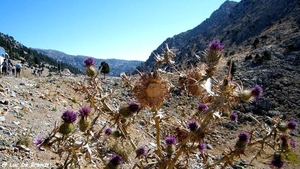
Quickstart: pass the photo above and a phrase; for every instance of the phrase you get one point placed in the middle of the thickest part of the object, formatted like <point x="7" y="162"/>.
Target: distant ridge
<point x="31" y="58"/>
<point x="117" y="66"/>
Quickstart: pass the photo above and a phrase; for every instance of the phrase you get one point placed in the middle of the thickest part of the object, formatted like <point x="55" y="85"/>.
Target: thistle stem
<point x="179" y="152"/>
<point x="205" y="122"/>
<point x="208" y="117"/>
<point x="124" y="132"/>
<point x="156" y="118"/>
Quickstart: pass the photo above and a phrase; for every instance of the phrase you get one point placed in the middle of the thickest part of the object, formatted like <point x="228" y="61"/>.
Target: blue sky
<point x="121" y="29"/>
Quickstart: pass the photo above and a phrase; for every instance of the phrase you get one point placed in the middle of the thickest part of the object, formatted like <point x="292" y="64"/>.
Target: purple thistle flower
<point x="256" y="91"/>
<point x="292" y="125"/>
<point x="141" y="151"/>
<point x="193" y="125"/>
<point x="202" y="147"/>
<point x="134" y="106"/>
<point x="108" y="131"/>
<point x="116" y="160"/>
<point x="233" y="117"/>
<point x="277" y="161"/>
<point x="216" y="45"/>
<point x="84" y="111"/>
<point x="293" y="143"/>
<point x="69" y="116"/>
<point x="244" y="137"/>
<point x="170" y="140"/>
<point x="38" y="141"/>
<point x="202" y="107"/>
<point x="89" y="62"/>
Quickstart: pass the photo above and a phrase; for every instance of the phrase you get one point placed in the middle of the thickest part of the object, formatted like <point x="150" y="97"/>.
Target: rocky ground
<point x="30" y="106"/>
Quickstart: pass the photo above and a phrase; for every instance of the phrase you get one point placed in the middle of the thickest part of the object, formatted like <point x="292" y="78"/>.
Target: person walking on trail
<point x="4" y="67"/>
<point x="13" y="70"/>
<point x="18" y="69"/>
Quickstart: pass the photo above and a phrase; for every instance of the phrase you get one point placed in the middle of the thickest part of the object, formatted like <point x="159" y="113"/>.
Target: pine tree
<point x="104" y="68"/>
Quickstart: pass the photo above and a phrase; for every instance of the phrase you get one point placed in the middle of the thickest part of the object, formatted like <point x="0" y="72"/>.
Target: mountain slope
<point x="240" y="26"/>
<point x="262" y="37"/>
<point x="117" y="66"/>
<point x="31" y="57"/>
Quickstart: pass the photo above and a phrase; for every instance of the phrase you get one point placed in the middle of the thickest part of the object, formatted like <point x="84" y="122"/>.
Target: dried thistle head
<point x="151" y="90"/>
<point x="166" y="58"/>
<point x="193" y="81"/>
<point x="126" y="80"/>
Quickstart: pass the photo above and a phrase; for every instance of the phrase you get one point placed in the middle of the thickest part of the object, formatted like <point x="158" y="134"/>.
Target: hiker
<point x="9" y="68"/>
<point x="18" y="69"/>
<point x="13" y="70"/>
<point x="4" y="67"/>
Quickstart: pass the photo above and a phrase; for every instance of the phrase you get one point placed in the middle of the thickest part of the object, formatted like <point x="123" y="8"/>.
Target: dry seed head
<point x="193" y="85"/>
<point x="150" y="90"/>
<point x="169" y="55"/>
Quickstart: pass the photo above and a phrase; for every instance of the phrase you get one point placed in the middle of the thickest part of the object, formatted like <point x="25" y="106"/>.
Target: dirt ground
<point x="35" y="103"/>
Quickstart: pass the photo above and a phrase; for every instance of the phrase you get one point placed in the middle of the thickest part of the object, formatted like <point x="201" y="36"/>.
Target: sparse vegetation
<point x="143" y="134"/>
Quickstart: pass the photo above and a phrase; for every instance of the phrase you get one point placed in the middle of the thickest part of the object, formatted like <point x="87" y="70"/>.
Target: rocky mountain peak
<point x="237" y="25"/>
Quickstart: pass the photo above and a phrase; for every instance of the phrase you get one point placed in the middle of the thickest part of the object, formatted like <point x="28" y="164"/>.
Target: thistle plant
<point x="84" y="121"/>
<point x="169" y="134"/>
